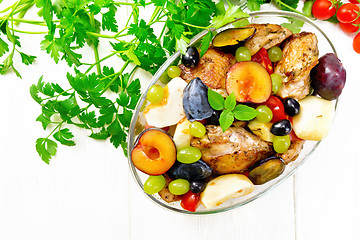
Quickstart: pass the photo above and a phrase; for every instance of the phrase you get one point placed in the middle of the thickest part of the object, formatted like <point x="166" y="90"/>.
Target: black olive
<point x="281" y="128"/>
<point x="191" y="58"/>
<point x="197" y="186"/>
<point x="292" y="107"/>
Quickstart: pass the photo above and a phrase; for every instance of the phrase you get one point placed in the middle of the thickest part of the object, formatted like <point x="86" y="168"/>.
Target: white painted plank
<point x="327" y="186"/>
<point x="270" y="217"/>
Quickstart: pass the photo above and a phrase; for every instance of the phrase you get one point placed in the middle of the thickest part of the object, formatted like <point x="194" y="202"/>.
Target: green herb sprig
<point x="71" y="25"/>
<point x="230" y="109"/>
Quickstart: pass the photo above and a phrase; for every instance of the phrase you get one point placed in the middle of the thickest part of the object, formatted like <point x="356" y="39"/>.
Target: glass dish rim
<point x="161" y="70"/>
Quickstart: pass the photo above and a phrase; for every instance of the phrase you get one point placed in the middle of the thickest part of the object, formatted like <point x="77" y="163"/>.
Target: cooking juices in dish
<point x="237" y="116"/>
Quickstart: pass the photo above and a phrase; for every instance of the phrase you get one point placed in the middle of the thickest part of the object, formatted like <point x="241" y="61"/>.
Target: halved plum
<point x="230" y="39"/>
<point x="249" y="81"/>
<point x="266" y="170"/>
<point x="154" y="152"/>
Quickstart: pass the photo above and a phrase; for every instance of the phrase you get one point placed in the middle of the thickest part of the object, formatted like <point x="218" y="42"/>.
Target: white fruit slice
<point x="170" y="110"/>
<point x="182" y="136"/>
<point x="315" y="118"/>
<point x="225" y="187"/>
<point x="262" y="130"/>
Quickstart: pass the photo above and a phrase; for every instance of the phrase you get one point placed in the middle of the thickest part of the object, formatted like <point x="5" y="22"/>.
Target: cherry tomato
<point x="350" y="27"/>
<point x="356" y="43"/>
<point x="277" y="108"/>
<point x="262" y="57"/>
<point x="323" y="9"/>
<point x="190" y="201"/>
<point x="347" y="13"/>
<point x="354" y="1"/>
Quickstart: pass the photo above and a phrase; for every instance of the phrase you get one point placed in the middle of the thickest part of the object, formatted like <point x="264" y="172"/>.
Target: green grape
<point x="242" y="54"/>
<point x="164" y="78"/>
<point x="265" y="114"/>
<point x="188" y="155"/>
<point x="179" y="186"/>
<point x="275" y="54"/>
<point x="173" y="71"/>
<point x="281" y="143"/>
<point x="276" y="80"/>
<point x="154" y="184"/>
<point x="197" y="129"/>
<point x="155" y="94"/>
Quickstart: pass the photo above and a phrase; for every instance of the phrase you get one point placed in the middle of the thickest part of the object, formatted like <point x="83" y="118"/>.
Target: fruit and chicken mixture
<point x="232" y="119"/>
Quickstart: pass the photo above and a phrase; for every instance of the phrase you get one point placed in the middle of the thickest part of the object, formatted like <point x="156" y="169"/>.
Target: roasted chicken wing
<point x="300" y="55"/>
<point x="232" y="151"/>
<point x="266" y="36"/>
<point x="212" y="69"/>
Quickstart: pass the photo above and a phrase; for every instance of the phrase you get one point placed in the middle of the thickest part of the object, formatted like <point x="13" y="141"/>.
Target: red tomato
<point x="277" y="108"/>
<point x="262" y="57"/>
<point x="347" y="13"/>
<point x="323" y="9"/>
<point x="356" y="43"/>
<point x="190" y="201"/>
<point x="350" y="27"/>
<point x="354" y="1"/>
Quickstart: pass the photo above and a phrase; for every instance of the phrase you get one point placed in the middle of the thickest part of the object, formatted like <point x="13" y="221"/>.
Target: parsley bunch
<point x="71" y="25"/>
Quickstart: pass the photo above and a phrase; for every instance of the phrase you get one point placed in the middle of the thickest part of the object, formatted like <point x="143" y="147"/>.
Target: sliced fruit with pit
<point x="154" y="152"/>
<point x="249" y="81"/>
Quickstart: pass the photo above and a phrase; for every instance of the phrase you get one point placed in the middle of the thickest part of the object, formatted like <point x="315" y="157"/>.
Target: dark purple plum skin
<point x="193" y="171"/>
<point x="328" y="77"/>
<point x="195" y="101"/>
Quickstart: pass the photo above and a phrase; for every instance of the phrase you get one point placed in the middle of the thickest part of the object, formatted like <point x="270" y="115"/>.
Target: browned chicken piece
<point x="211" y="69"/>
<point x="300" y="55"/>
<point x="232" y="151"/>
<point x="293" y="152"/>
<point x="266" y="36"/>
<point x="165" y="193"/>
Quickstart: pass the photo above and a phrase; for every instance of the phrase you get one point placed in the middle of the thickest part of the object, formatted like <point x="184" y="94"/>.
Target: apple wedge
<point x="225" y="187"/>
<point x="315" y="118"/>
<point x="249" y="81"/>
<point x="182" y="136"/>
<point x="170" y="110"/>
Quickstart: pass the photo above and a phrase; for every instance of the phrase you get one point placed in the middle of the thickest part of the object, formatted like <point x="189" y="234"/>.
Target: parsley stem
<point x="114" y="79"/>
<point x="191" y="25"/>
<point x="21" y="31"/>
<point x="94" y="64"/>
<point x="289" y="7"/>
<point x="21" y="20"/>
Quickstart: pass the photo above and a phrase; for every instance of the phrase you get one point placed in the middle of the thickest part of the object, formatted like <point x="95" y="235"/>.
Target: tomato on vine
<point x="356" y="43"/>
<point x="350" y="27"/>
<point x="323" y="9"/>
<point x="355" y="1"/>
<point x="347" y="13"/>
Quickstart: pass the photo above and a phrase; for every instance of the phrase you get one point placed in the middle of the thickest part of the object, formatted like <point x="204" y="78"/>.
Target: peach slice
<point x="154" y="152"/>
<point x="249" y="81"/>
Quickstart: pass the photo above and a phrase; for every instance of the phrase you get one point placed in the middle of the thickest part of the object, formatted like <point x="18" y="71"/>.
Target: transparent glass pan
<point x="137" y="123"/>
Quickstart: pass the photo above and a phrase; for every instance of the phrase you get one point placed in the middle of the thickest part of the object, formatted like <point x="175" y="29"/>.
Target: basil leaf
<point x="215" y="99"/>
<point x="230" y="102"/>
<point x="244" y="113"/>
<point x="226" y="119"/>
